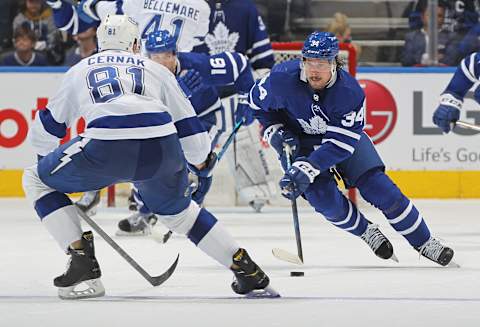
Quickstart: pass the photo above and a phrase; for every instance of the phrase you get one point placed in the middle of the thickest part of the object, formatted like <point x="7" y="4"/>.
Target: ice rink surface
<point x="344" y="283"/>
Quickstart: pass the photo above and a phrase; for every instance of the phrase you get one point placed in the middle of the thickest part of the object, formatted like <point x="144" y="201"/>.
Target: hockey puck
<point x="297" y="274"/>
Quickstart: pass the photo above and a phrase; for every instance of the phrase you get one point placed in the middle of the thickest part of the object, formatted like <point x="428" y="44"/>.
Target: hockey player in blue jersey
<point x="137" y="130"/>
<point x="451" y="100"/>
<point x="316" y="108"/>
<point x="197" y="75"/>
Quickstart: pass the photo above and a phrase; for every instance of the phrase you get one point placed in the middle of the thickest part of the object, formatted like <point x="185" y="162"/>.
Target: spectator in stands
<point x="415" y="50"/>
<point x="38" y="16"/>
<point x="86" y="46"/>
<point x="8" y="10"/>
<point x="339" y="26"/>
<point x="24" y="54"/>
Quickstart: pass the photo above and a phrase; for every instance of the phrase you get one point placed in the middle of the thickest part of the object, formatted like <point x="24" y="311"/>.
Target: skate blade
<point x="394" y="258"/>
<point x="286" y="256"/>
<point x="95" y="289"/>
<point x="453" y="264"/>
<point x="266" y="293"/>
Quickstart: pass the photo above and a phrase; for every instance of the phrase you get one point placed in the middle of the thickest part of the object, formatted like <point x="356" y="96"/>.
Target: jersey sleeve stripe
<point x="51" y="125"/>
<point x="244" y="62"/>
<point x="343" y="131"/>
<point x="258" y="44"/>
<point x="466" y="72"/>
<point x="261" y="56"/>
<point x="234" y="65"/>
<point x="340" y="144"/>
<point x="189" y="126"/>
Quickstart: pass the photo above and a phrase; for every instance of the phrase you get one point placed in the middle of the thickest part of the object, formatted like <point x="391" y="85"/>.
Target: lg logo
<point x="381" y="110"/>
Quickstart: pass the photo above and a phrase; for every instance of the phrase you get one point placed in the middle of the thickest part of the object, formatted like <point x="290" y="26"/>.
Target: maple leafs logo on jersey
<point x="221" y="40"/>
<point x="316" y="125"/>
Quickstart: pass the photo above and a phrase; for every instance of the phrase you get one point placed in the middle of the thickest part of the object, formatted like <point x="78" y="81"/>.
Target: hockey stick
<point x="466" y="125"/>
<point x="163" y="238"/>
<point x="154" y="280"/>
<point x="282" y="254"/>
<point x="229" y="139"/>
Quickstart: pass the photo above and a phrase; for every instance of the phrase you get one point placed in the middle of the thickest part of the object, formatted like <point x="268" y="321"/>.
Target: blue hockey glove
<point x="204" y="178"/>
<point x="190" y="83"/>
<point x="86" y="11"/>
<point x="448" y="112"/>
<point x="278" y="136"/>
<point x="298" y="178"/>
<point x="244" y="112"/>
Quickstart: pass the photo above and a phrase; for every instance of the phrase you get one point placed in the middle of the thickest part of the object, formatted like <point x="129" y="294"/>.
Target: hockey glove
<point x="448" y="112"/>
<point x="298" y="178"/>
<point x="86" y="11"/>
<point x="243" y="112"/>
<point x="277" y="136"/>
<point x="204" y="177"/>
<point x="190" y="83"/>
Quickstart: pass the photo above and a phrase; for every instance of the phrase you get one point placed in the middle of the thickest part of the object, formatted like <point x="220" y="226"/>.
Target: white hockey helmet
<point x="117" y="32"/>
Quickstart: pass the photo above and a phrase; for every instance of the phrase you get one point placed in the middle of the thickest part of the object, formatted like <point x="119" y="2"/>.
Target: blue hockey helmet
<point x="160" y="41"/>
<point x="320" y="45"/>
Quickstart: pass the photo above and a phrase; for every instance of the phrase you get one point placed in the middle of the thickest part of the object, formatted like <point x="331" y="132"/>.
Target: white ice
<point x="344" y="283"/>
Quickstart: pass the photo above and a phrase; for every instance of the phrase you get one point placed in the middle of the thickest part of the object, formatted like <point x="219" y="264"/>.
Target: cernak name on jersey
<point x="116" y="59"/>
<point x="172" y="8"/>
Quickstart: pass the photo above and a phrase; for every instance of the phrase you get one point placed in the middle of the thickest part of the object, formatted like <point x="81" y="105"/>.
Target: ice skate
<point x="379" y="244"/>
<point x="435" y="251"/>
<point x="257" y="204"/>
<point x="82" y="267"/>
<point x="88" y="202"/>
<point x="138" y="224"/>
<point x="250" y="281"/>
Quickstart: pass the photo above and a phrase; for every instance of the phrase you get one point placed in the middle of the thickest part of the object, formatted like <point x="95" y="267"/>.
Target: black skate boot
<point x="435" y="251"/>
<point x="82" y="267"/>
<point x="132" y="204"/>
<point x="138" y="224"/>
<point x="249" y="277"/>
<point x="379" y="244"/>
<point x="88" y="202"/>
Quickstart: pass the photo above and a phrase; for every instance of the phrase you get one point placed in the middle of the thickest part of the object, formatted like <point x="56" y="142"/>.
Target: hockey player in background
<point x="236" y="26"/>
<point x="451" y="100"/>
<point x="316" y="108"/>
<point x="132" y="107"/>
<point x="187" y="20"/>
<point x="197" y="74"/>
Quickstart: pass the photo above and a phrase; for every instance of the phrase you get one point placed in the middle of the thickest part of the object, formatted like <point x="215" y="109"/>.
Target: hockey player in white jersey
<point x="132" y="107"/>
<point x="186" y="20"/>
<point x="197" y="75"/>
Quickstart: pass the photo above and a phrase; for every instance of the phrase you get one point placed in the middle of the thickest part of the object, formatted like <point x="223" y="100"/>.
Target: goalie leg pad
<point x="379" y="190"/>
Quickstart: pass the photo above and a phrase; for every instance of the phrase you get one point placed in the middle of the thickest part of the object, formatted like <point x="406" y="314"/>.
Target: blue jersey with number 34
<point x="328" y="122"/>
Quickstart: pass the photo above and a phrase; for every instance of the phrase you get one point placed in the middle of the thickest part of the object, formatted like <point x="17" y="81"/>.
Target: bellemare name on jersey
<point x="116" y="60"/>
<point x="172" y="8"/>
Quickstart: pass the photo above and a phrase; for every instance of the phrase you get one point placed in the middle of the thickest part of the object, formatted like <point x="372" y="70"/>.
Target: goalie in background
<point x="317" y="108"/>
